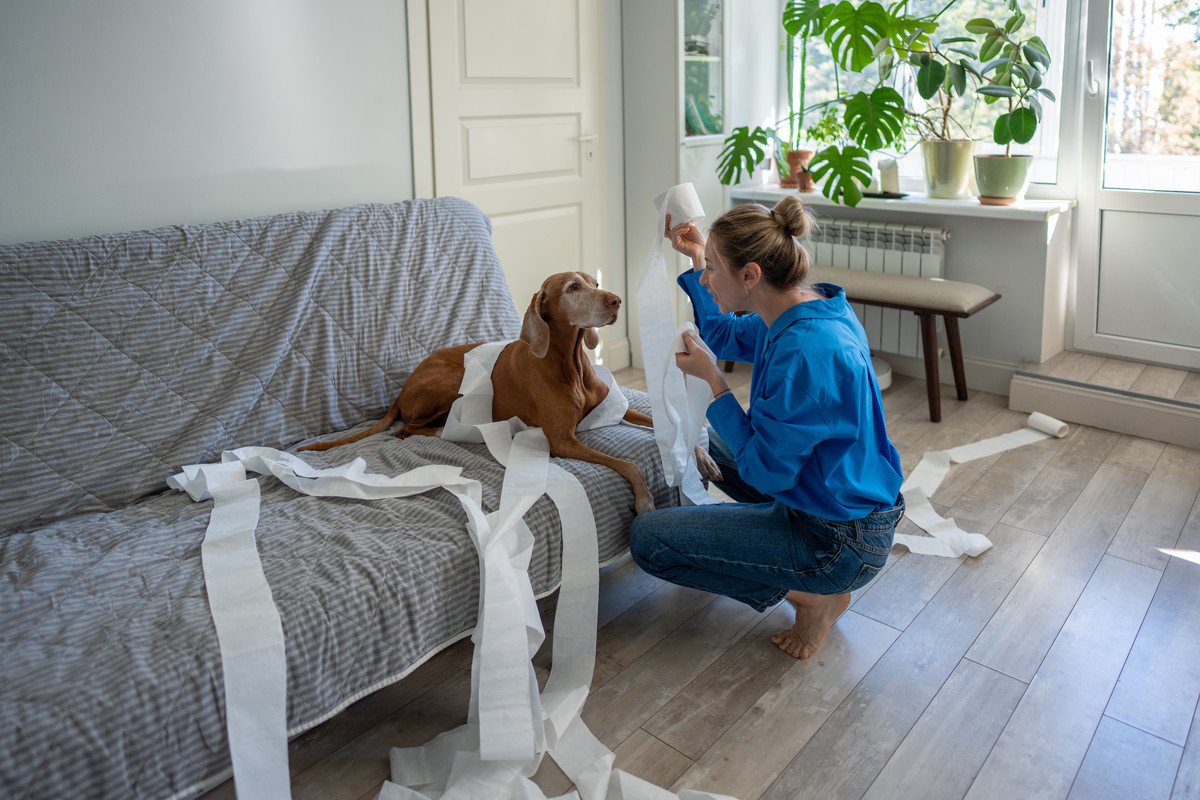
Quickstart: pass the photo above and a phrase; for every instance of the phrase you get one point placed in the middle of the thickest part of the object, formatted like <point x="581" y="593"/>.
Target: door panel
<point x="515" y="101"/>
<point x="1143" y="293"/>
<point x="521" y="148"/>
<point x="1138" y="290"/>
<point x="542" y="241"/>
<point x="501" y="42"/>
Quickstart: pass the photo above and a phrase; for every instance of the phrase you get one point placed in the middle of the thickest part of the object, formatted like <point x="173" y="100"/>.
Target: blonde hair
<point x="770" y="237"/>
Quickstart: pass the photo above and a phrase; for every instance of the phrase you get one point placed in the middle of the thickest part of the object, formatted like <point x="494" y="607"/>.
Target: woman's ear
<point x="535" y="332"/>
<point x="751" y="275"/>
<point x="591" y="338"/>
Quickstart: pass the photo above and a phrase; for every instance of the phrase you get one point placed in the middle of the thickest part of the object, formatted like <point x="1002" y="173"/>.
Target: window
<point x="975" y="117"/>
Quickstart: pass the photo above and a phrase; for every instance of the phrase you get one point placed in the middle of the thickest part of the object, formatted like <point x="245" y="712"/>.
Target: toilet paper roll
<point x="681" y="203"/>
<point x="945" y="537"/>
<point x="677" y="400"/>
<point x="1047" y="424"/>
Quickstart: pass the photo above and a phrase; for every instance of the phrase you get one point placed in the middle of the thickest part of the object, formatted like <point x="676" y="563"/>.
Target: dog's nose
<point x="612" y="301"/>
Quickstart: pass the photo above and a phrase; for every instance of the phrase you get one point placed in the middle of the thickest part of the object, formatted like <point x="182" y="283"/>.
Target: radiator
<point x="882" y="247"/>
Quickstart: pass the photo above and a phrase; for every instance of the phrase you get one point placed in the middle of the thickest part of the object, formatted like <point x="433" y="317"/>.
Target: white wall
<point x="130" y="114"/>
<point x="612" y="151"/>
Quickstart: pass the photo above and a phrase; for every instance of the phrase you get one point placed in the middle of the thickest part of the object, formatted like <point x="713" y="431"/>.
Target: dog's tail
<point x="392" y="415"/>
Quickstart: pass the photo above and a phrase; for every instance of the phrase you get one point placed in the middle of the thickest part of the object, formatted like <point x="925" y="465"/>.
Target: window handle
<point x="1093" y="85"/>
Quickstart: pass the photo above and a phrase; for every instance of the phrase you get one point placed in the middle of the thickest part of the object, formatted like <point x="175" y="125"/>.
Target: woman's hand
<point x="696" y="362"/>
<point x="687" y="239"/>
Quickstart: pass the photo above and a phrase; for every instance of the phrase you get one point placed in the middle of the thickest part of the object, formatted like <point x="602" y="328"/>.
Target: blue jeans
<point x="757" y="549"/>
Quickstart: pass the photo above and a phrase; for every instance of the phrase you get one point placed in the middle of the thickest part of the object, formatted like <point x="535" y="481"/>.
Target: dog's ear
<point x="591" y="338"/>
<point x="534" y="330"/>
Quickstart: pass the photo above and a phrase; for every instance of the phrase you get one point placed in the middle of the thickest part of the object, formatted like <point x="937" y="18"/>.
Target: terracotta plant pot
<point x="801" y="178"/>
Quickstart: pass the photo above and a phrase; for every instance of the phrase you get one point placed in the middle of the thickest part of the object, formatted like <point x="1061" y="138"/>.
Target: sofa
<point x="126" y="356"/>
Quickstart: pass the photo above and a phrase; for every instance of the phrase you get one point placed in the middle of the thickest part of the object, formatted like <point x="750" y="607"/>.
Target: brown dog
<point x="544" y="378"/>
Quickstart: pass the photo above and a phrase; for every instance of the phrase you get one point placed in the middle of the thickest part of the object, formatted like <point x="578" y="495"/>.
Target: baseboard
<point x="983" y="374"/>
<point x="1124" y="412"/>
<point x="616" y="354"/>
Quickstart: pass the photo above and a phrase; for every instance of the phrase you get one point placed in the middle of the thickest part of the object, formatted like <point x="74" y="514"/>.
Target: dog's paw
<point x="643" y="504"/>
<point x="709" y="470"/>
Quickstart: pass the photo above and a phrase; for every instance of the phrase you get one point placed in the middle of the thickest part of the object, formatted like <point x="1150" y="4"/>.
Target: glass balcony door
<point x="1138" y="289"/>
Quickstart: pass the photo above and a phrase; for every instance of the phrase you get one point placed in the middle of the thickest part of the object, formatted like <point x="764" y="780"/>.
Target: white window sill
<point x="917" y="203"/>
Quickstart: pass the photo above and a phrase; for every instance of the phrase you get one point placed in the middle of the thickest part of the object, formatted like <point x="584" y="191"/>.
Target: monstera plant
<point x="876" y="41"/>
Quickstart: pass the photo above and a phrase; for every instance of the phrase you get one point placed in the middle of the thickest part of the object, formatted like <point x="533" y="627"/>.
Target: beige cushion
<point x="933" y="294"/>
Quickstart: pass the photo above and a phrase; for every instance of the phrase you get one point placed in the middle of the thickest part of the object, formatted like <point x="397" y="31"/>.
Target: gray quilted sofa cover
<point x="126" y="356"/>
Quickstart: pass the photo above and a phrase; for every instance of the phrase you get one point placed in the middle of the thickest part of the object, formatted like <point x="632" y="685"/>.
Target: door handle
<point x="588" y="137"/>
<point x="1093" y="85"/>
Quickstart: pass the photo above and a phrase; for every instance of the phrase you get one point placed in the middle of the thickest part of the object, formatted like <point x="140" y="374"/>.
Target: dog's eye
<point x="572" y="287"/>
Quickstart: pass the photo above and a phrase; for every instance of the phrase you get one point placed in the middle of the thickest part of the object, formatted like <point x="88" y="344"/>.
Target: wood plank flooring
<point x="1063" y="663"/>
<point x="1115" y="373"/>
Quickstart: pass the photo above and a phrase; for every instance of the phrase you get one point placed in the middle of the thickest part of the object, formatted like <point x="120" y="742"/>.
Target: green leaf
<point x="994" y="64"/>
<point x="1030" y="76"/>
<point x="1035" y="56"/>
<point x="971" y="68"/>
<point x="1042" y="90"/>
<point x="803" y="18"/>
<point x="1014" y="23"/>
<point x="840" y="171"/>
<point x="991" y="47"/>
<point x="958" y="77"/>
<point x="744" y="150"/>
<point x="962" y="51"/>
<point x="852" y="33"/>
<point x="929" y="79"/>
<point x="981" y="25"/>
<point x="1022" y="124"/>
<point x="1037" y="43"/>
<point x="1035" y="105"/>
<point x="1000" y="132"/>
<point x="876" y="121"/>
<point x="994" y="90"/>
<point x="956" y="39"/>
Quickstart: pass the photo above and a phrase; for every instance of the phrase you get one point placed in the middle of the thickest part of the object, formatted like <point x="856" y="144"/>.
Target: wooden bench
<point x="928" y="298"/>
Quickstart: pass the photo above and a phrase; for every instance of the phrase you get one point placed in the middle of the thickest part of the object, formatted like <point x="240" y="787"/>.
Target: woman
<point x="816" y="480"/>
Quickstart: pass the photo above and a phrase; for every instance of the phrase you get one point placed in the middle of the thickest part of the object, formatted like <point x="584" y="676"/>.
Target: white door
<point x="1139" y="199"/>
<point x="515" y="106"/>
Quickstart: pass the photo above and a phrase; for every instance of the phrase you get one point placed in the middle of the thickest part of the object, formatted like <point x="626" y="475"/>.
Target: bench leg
<point x="929" y="345"/>
<point x="956" y="358"/>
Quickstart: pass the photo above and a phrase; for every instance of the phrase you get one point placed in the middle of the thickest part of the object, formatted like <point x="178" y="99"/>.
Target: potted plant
<point x="1014" y="71"/>
<point x="875" y="117"/>
<point x="946" y="146"/>
<point x="745" y="148"/>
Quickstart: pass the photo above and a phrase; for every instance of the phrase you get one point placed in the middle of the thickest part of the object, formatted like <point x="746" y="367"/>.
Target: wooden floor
<point x="1130" y="376"/>
<point x="1064" y="662"/>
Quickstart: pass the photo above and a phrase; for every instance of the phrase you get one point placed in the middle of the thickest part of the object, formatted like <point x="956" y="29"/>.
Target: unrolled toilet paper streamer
<point x="510" y="724"/>
<point x="945" y="537"/>
<point x="679" y="401"/>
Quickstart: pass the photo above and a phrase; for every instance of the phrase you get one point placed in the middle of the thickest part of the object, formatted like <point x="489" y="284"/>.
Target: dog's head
<point x="567" y="303"/>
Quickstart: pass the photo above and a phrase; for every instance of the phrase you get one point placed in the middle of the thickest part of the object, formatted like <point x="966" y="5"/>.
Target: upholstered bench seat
<point x="927" y="298"/>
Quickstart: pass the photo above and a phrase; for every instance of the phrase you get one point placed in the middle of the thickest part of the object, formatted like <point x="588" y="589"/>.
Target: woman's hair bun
<point x="791" y="217"/>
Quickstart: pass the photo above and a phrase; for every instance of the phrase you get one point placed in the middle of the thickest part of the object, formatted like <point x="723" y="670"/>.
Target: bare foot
<point x="815" y="615"/>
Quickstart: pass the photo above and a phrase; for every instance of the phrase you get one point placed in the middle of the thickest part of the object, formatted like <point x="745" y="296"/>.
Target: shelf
<point x="916" y="203"/>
